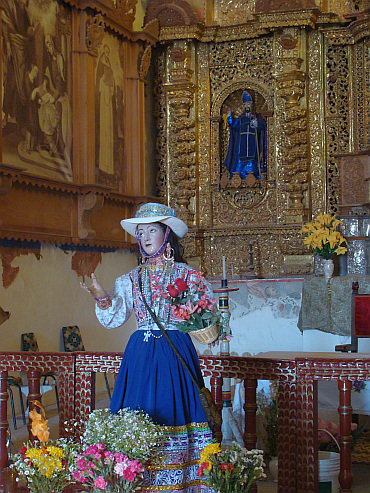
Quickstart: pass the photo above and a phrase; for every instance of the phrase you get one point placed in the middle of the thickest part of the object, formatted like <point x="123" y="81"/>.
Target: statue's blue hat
<point x="246" y="97"/>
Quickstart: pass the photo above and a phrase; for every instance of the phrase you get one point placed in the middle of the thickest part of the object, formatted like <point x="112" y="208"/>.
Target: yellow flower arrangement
<point x="45" y="467"/>
<point x="323" y="237"/>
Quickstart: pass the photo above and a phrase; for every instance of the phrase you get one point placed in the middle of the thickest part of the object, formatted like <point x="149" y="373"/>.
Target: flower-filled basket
<point x="208" y="334"/>
<point x="196" y="312"/>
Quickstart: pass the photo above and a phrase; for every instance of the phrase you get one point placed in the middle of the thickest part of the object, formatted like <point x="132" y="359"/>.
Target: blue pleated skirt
<point x="152" y="378"/>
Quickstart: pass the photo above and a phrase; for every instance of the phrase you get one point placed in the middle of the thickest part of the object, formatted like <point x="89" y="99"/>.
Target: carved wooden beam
<point x="5" y="184"/>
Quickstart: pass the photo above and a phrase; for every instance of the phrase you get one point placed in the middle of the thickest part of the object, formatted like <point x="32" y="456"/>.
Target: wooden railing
<point x="297" y="377"/>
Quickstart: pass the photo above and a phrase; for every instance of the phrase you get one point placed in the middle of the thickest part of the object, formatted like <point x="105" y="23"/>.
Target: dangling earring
<point x="169" y="254"/>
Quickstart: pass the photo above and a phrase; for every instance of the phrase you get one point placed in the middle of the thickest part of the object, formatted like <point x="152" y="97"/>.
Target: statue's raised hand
<point x="96" y="290"/>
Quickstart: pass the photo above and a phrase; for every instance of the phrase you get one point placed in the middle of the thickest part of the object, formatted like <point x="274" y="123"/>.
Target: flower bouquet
<point x="195" y="310"/>
<point x="323" y="237"/>
<point x="46" y="467"/>
<point x="232" y="469"/>
<point x="117" y="448"/>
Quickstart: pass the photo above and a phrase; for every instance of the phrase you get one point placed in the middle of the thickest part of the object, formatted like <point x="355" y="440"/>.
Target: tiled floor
<point x="361" y="472"/>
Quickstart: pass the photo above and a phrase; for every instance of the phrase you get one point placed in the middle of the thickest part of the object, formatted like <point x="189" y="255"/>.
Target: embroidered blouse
<point x="126" y="296"/>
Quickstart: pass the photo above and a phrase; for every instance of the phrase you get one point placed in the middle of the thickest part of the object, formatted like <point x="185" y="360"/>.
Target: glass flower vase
<point x="328" y="268"/>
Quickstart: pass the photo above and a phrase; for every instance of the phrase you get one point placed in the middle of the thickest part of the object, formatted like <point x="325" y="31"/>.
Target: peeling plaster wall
<point x="46" y="295"/>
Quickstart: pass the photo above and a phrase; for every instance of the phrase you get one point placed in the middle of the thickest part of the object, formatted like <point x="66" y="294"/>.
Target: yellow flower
<point x="55" y="451"/>
<point x="46" y="464"/>
<point x="323" y="237"/>
<point x="333" y="239"/>
<point x="341" y="250"/>
<point x="213" y="448"/>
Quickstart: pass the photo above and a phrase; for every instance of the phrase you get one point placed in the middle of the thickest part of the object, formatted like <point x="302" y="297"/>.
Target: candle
<point x="232" y="271"/>
<point x="223" y="267"/>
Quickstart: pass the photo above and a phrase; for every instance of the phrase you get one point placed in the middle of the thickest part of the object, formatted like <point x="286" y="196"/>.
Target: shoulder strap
<point x="163" y="330"/>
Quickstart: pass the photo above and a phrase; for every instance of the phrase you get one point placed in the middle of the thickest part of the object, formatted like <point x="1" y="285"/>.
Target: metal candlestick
<point x="223" y="305"/>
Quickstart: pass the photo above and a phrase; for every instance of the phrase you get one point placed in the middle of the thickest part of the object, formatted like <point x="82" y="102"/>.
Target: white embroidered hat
<point x="155" y="213"/>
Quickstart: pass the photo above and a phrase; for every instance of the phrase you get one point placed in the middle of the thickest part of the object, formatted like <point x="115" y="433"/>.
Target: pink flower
<point x="120" y="457"/>
<point x="120" y="468"/>
<point x="108" y="455"/>
<point x="100" y="482"/>
<point x="94" y="450"/>
<point x="81" y="463"/>
<point x="190" y="307"/>
<point x="129" y="475"/>
<point x="135" y="465"/>
<point x="78" y="476"/>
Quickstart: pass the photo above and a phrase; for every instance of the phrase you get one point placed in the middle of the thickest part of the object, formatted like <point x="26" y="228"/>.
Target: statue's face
<point x="247" y="105"/>
<point x="151" y="237"/>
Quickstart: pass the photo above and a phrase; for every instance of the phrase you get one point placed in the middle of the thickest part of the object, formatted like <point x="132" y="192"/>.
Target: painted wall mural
<point x="36" y="106"/>
<point x="109" y="110"/>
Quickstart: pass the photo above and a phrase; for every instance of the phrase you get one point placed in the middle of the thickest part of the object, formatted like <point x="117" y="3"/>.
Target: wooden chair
<point x="15" y="382"/>
<point x="29" y="343"/>
<point x="360" y="322"/>
<point x="72" y="340"/>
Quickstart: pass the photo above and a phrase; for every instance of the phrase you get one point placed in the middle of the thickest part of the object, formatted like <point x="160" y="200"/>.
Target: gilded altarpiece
<point x="308" y="78"/>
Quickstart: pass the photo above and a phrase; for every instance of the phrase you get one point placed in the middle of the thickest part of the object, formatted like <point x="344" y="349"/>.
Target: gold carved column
<point x="181" y="136"/>
<point x="291" y="86"/>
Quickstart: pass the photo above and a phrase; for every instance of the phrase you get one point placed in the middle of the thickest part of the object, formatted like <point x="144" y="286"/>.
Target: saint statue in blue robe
<point x="247" y="142"/>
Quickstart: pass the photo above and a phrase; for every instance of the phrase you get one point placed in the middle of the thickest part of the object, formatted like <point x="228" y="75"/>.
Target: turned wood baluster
<point x="250" y="424"/>
<point x="3" y="419"/>
<point x="250" y="408"/>
<point x="216" y="391"/>
<point x="33" y="395"/>
<point x="345" y="437"/>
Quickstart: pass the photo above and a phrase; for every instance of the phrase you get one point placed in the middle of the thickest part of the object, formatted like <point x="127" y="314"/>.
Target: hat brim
<point x="177" y="225"/>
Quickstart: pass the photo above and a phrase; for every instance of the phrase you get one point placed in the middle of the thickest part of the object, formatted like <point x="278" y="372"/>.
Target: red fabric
<point x="361" y="316"/>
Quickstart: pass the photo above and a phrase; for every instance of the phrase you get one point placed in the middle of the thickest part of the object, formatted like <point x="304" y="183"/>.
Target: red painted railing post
<point x="216" y="390"/>
<point x="250" y="408"/>
<point x="3" y="419"/>
<point x="345" y="436"/>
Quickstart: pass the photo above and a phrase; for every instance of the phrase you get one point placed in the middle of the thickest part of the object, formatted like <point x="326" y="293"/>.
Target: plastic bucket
<point x="329" y="467"/>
